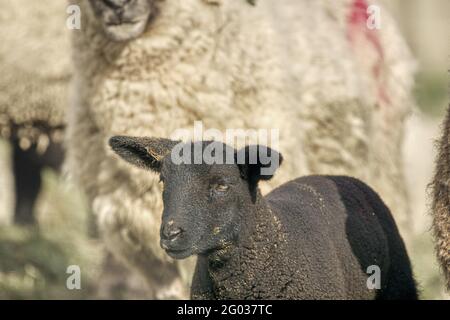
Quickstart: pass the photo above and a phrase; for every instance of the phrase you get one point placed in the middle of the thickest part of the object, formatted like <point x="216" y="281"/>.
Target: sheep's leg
<point x="27" y="167"/>
<point x="27" y="178"/>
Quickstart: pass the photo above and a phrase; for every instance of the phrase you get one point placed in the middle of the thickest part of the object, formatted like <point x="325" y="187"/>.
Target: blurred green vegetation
<point x="32" y="267"/>
<point x="426" y="270"/>
<point x="34" y="260"/>
<point x="432" y="92"/>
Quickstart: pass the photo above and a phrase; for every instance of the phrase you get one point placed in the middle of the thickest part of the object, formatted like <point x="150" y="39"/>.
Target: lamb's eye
<point x="220" y="188"/>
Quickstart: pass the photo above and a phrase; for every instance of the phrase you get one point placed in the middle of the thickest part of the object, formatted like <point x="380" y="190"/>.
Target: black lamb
<point x="315" y="237"/>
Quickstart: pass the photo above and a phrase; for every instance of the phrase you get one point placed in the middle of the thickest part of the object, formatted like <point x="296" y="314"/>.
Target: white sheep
<point x="337" y="91"/>
<point x="35" y="66"/>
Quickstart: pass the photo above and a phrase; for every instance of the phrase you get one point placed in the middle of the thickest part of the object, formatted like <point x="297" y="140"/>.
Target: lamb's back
<point x="340" y="226"/>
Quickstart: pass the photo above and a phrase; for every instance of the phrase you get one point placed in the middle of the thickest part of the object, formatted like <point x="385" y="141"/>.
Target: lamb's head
<point x="123" y="19"/>
<point x="208" y="187"/>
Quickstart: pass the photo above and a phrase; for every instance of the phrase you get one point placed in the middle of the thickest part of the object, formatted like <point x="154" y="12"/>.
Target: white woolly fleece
<point x="35" y="65"/>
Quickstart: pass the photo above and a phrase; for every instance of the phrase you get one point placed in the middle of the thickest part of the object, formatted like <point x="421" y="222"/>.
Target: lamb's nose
<point x="171" y="232"/>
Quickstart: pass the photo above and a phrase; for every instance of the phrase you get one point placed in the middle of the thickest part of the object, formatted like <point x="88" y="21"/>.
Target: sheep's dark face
<point x="208" y="187"/>
<point x="202" y="206"/>
<point x="123" y="20"/>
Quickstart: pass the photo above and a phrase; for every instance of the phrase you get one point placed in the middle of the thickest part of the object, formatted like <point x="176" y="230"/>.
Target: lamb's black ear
<point x="143" y="152"/>
<point x="257" y="163"/>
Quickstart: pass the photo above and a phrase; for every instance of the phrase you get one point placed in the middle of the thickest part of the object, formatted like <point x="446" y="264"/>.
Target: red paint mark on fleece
<point x="357" y="25"/>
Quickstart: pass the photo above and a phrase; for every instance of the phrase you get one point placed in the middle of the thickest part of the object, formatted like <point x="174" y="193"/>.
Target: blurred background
<point x="34" y="255"/>
<point x="425" y="25"/>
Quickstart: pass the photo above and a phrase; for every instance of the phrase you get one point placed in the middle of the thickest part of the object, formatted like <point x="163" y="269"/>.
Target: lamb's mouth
<point x="179" y="254"/>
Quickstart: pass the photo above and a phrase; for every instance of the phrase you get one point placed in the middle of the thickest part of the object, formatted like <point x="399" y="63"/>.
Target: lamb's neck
<point x="235" y="268"/>
<point x="260" y="225"/>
